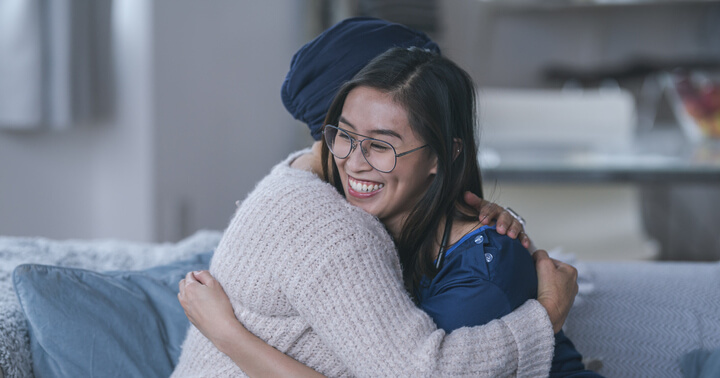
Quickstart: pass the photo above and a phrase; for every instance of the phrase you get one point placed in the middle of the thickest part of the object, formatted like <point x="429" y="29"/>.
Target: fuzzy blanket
<point x="98" y="255"/>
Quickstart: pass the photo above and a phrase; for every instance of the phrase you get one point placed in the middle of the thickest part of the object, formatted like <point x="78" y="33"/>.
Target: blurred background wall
<point x="196" y="119"/>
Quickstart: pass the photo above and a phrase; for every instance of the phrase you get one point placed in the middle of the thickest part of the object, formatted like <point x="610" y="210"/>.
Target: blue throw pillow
<point x="114" y="324"/>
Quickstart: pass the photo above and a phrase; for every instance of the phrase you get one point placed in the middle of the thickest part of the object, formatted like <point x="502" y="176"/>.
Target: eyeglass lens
<point x="379" y="154"/>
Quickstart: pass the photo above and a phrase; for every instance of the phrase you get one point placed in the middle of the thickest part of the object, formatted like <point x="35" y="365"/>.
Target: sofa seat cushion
<point x="642" y="317"/>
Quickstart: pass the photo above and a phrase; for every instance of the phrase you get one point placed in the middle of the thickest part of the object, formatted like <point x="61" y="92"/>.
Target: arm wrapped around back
<point x="320" y="280"/>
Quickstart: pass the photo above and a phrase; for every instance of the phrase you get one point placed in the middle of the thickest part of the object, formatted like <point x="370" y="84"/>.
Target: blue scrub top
<point x="486" y="276"/>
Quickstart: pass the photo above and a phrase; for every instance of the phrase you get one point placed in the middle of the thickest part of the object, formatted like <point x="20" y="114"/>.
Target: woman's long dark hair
<point x="439" y="98"/>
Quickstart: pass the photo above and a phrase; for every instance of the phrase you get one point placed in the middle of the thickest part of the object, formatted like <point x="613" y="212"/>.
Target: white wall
<point x="220" y="123"/>
<point x="122" y="195"/>
<point x="197" y="98"/>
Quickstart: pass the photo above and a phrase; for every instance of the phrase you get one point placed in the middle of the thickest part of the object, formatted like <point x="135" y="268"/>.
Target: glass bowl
<point x="695" y="99"/>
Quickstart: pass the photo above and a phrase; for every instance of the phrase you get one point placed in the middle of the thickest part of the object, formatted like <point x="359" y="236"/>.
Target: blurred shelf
<point x="657" y="156"/>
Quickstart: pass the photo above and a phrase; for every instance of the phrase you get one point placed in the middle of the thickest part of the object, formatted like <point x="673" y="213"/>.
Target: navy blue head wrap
<point x="319" y="68"/>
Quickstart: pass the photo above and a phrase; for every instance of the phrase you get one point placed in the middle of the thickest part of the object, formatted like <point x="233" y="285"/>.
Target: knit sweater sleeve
<point x="346" y="283"/>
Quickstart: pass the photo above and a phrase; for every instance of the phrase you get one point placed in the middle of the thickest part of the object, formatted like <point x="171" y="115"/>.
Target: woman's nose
<point x="356" y="161"/>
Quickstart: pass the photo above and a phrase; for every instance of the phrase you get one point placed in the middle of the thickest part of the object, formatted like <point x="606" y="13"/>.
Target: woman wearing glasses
<point x="317" y="278"/>
<point x="461" y="272"/>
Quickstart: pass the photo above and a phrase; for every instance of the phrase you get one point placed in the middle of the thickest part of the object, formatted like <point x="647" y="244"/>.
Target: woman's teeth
<point x="364" y="188"/>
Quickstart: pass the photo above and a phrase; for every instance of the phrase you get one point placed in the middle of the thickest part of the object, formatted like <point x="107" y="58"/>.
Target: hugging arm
<point x="352" y="296"/>
<point x="505" y="221"/>
<point x="210" y="311"/>
<point x="378" y="322"/>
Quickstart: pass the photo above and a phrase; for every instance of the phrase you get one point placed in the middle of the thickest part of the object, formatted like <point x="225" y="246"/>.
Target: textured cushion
<point x="84" y="323"/>
<point x="642" y="317"/>
<point x="97" y="255"/>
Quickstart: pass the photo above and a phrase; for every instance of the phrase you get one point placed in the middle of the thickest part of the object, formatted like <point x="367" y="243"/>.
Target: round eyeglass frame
<point x="354" y="142"/>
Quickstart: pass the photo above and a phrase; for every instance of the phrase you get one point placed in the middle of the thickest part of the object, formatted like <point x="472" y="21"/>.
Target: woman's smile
<point x="362" y="188"/>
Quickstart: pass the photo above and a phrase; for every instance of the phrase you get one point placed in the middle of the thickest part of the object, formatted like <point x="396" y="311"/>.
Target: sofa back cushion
<point x="84" y="323"/>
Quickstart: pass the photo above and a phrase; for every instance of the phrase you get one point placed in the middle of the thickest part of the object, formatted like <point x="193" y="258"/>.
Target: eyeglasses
<point x="379" y="154"/>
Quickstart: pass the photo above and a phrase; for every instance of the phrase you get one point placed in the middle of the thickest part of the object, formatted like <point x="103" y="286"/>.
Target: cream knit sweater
<point x="319" y="279"/>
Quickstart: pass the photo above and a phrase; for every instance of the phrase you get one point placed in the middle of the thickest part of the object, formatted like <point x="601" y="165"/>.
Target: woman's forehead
<point x="376" y="114"/>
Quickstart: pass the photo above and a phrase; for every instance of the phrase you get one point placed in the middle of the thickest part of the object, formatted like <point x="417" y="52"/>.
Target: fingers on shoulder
<point x="525" y="240"/>
<point x="490" y="211"/>
<point x="515" y="229"/>
<point x="473" y="200"/>
<point x="540" y="255"/>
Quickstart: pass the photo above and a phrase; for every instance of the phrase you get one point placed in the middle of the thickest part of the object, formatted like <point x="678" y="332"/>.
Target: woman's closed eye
<point x="379" y="147"/>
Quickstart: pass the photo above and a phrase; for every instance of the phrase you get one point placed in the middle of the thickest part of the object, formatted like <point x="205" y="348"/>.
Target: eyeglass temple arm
<point x="407" y="152"/>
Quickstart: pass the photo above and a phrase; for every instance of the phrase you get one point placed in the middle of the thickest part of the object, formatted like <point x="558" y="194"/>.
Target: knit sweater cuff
<point x="533" y="333"/>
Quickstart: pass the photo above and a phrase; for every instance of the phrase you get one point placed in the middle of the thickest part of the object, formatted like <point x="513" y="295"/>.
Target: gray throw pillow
<point x="114" y="324"/>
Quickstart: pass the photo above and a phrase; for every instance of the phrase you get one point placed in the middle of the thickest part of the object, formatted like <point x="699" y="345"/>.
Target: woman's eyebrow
<point x="345" y="121"/>
<point x="386" y="132"/>
<point x="373" y="131"/>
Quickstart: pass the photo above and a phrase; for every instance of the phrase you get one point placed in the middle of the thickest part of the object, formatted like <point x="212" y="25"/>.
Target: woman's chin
<point x="366" y="203"/>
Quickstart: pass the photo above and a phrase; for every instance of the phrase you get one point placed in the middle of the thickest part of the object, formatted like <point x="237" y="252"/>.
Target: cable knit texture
<point x="319" y="280"/>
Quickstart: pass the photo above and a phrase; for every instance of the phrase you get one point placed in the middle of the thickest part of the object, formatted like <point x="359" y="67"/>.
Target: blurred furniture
<point x="526" y="136"/>
<point x="658" y="156"/>
<point x="678" y="183"/>
<point x="667" y="184"/>
<point x="585" y="136"/>
<point x="542" y="143"/>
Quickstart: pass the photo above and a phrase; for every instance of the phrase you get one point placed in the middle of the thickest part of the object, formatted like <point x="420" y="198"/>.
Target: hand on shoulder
<point x="305" y="162"/>
<point x="310" y="161"/>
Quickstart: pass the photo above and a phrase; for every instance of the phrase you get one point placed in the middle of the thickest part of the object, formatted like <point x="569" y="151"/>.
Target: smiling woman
<point x="411" y="98"/>
<point x="460" y="272"/>
<point x="375" y="182"/>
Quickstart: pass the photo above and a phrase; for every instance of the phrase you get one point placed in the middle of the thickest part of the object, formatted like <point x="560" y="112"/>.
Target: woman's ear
<point x="457" y="147"/>
<point x="433" y="168"/>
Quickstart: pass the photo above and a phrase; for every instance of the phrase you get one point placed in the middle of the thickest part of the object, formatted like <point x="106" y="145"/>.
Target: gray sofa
<point x="95" y="255"/>
<point x="637" y="319"/>
<point x="630" y="319"/>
